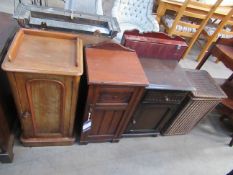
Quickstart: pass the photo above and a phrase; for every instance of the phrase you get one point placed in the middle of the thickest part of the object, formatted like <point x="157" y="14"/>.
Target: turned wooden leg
<point x="231" y="142"/>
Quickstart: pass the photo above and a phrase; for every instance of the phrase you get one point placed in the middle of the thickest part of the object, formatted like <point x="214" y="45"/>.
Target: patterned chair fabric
<point x="169" y="19"/>
<point x="210" y="29"/>
<point x="135" y="14"/>
<point x="85" y="6"/>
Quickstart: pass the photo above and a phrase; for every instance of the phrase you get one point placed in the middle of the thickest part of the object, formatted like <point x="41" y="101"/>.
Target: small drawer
<point x="115" y="95"/>
<point x="163" y="97"/>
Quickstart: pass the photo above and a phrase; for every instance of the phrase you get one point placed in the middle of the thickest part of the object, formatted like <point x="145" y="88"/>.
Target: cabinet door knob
<point x="25" y="114"/>
<point x="134" y="122"/>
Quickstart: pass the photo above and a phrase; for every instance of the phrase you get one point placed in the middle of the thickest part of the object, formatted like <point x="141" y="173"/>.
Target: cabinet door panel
<point x="150" y="117"/>
<point x="46" y="98"/>
<point x="105" y="122"/>
<point x="46" y="101"/>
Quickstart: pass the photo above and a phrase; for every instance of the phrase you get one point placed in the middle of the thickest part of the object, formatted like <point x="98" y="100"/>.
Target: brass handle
<point x="26" y="114"/>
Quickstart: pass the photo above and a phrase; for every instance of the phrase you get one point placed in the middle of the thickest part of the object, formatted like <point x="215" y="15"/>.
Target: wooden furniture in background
<point x="155" y="45"/>
<point x="116" y="82"/>
<point x="165" y="5"/>
<point x="162" y="99"/>
<point x="8" y="27"/>
<point x="223" y="50"/>
<point x="214" y="31"/>
<point x="226" y="107"/>
<point x="198" y="104"/>
<point x="44" y="70"/>
<point x="187" y="23"/>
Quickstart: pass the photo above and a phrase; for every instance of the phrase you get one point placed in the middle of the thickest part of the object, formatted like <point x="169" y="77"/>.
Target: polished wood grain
<point x="113" y="93"/>
<point x="108" y="66"/>
<point x="45" y="85"/>
<point x="35" y="51"/>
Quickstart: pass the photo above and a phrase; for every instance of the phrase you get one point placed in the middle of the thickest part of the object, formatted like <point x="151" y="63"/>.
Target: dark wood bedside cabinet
<point x="168" y="87"/>
<point x="116" y="82"/>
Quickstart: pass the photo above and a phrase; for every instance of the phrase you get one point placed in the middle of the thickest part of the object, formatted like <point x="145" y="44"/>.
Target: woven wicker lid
<point x="205" y="85"/>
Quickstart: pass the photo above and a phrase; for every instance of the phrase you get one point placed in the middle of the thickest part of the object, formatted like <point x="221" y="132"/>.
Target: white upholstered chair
<point x="85" y="6"/>
<point x="135" y="14"/>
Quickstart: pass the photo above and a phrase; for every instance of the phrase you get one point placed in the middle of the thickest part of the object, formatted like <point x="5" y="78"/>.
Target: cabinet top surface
<point x="205" y="85"/>
<point x="165" y="74"/>
<point x="114" y="67"/>
<point x="38" y="51"/>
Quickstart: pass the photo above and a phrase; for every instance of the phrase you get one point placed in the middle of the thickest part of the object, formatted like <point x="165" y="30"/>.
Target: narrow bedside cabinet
<point x="116" y="82"/>
<point x="163" y="98"/>
<point x="44" y="70"/>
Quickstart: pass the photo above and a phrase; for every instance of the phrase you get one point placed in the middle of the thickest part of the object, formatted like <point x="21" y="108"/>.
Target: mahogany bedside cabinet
<point x="116" y="81"/>
<point x="199" y="103"/>
<point x="44" y="70"/>
<point x="8" y="27"/>
<point x="162" y="99"/>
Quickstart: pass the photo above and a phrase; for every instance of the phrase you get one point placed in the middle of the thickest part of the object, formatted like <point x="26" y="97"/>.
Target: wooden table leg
<point x="205" y="49"/>
<point x="204" y="59"/>
<point x="161" y="11"/>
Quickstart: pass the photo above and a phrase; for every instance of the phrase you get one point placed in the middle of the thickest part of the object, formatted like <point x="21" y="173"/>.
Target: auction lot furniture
<point x="44" y="70"/>
<point x="8" y="28"/>
<point x="116" y="82"/>
<point x="162" y="99"/>
<point x="198" y="104"/>
<point x="188" y="23"/>
<point x="223" y="50"/>
<point x="226" y="107"/>
<point x="164" y="5"/>
<point x="155" y="44"/>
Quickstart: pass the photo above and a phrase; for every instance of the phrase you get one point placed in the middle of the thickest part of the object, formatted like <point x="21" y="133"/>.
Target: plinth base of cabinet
<point x="7" y="156"/>
<point x="152" y="134"/>
<point x="33" y="142"/>
<point x="98" y="141"/>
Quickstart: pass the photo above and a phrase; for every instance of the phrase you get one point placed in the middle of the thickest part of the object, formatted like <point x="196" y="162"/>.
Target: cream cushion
<point x="168" y="21"/>
<point x="135" y="14"/>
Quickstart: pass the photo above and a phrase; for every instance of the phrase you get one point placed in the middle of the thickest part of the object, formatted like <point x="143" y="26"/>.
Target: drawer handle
<point x="166" y="98"/>
<point x="26" y="114"/>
